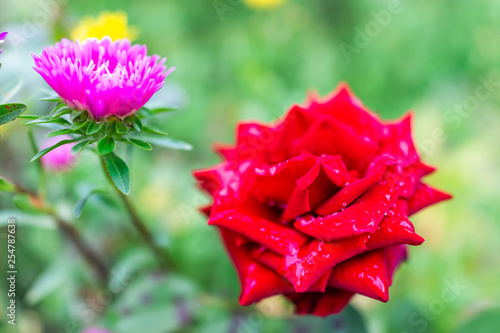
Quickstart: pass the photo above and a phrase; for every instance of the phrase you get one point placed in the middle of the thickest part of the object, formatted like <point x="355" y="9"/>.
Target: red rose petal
<point x="257" y="281"/>
<point x="336" y="170"/>
<point x="297" y="205"/>
<point x="277" y="264"/>
<point x="321" y="284"/>
<point x="296" y="122"/>
<point x="425" y="169"/>
<point x="330" y="137"/>
<point x="277" y="237"/>
<point x="316" y="258"/>
<point x="227" y="151"/>
<point x="365" y="274"/>
<point x="321" y="304"/>
<point x="240" y="240"/>
<point x="312" y="262"/>
<point x="206" y="210"/>
<point x="277" y="182"/>
<point x="253" y="140"/>
<point x="320" y="190"/>
<point x="345" y="107"/>
<point x="294" y="181"/>
<point x="209" y="179"/>
<point x="304" y="302"/>
<point x="270" y="259"/>
<point x="395" y="229"/>
<point x="398" y="141"/>
<point x="425" y="196"/>
<point x="348" y="194"/>
<point x="395" y="255"/>
<point x="363" y="216"/>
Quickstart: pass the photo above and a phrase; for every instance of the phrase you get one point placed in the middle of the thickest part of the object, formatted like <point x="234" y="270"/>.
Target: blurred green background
<point x="245" y="63"/>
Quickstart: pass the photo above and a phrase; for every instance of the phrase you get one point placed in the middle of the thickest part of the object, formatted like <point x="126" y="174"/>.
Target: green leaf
<point x="121" y="128"/>
<point x="94" y="127"/>
<point x="106" y="145"/>
<point x="80" y="146"/>
<point x="49" y="149"/>
<point x="167" y="142"/>
<point x="79" y="125"/>
<point x="145" y="112"/>
<point x="118" y="172"/>
<point x="6" y="186"/>
<point x="81" y="203"/>
<point x="163" y="110"/>
<point x="60" y="109"/>
<point x="75" y="114"/>
<point x="154" y="130"/>
<point x="29" y="117"/>
<point x="137" y="124"/>
<point x="63" y="131"/>
<point x="53" y="98"/>
<point x="141" y="144"/>
<point x="34" y="148"/>
<point x="47" y="120"/>
<point x="9" y="112"/>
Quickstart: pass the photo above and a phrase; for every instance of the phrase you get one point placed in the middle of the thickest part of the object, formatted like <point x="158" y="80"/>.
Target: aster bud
<point x="60" y="158"/>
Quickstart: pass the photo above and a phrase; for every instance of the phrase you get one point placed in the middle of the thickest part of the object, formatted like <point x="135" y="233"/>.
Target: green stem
<point x="71" y="233"/>
<point x="42" y="178"/>
<point x="92" y="258"/>
<point x="140" y="225"/>
<point x="68" y="230"/>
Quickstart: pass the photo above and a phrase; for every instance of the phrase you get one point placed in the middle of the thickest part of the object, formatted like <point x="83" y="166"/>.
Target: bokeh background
<point x="239" y="61"/>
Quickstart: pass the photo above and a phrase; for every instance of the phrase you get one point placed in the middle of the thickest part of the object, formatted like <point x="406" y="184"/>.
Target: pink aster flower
<point x="59" y="159"/>
<point x="102" y="77"/>
<point x="2" y="38"/>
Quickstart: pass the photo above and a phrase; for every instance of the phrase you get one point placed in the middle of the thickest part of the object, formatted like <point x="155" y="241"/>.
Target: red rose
<point x="316" y="206"/>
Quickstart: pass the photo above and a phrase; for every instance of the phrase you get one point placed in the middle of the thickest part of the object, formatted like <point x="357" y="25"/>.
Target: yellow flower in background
<point x="263" y="4"/>
<point x="114" y="25"/>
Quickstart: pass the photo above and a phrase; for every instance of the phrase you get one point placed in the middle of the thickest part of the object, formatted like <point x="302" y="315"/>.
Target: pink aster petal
<point x="102" y="77"/>
<point x="2" y="38"/>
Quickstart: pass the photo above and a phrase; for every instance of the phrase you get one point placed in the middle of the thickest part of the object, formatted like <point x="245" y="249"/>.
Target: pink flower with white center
<point x="2" y="38"/>
<point x="59" y="159"/>
<point x="103" y="77"/>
